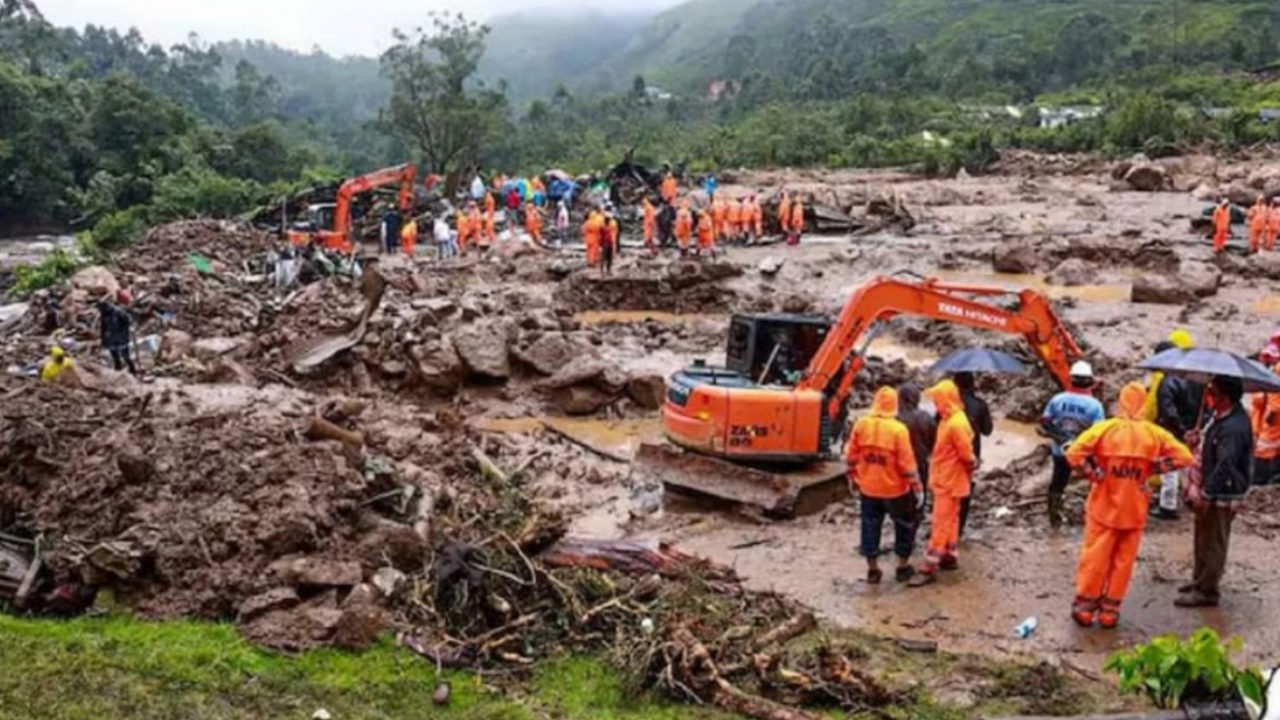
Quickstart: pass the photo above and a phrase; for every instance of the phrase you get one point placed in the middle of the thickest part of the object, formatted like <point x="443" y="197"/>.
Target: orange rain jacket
<point x="953" y="461"/>
<point x="670" y="188"/>
<point x="1265" y="418"/>
<point x="881" y="459"/>
<point x="706" y="230"/>
<point x="736" y="214"/>
<point x="650" y="221"/>
<point x="592" y="235"/>
<point x="684" y="226"/>
<point x="797" y="217"/>
<point x="1125" y="451"/>
<point x="1258" y="216"/>
<point x="489" y="203"/>
<point x="784" y="213"/>
<point x="532" y="221"/>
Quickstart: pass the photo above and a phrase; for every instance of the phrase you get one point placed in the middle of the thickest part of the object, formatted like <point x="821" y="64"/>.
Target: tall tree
<point x="436" y="104"/>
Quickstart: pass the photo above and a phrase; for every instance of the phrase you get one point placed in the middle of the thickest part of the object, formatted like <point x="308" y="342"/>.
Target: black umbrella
<point x="979" y="360"/>
<point x="1204" y="364"/>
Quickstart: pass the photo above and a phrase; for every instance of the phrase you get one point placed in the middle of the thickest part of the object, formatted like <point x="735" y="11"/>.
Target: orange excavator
<point x="762" y="430"/>
<point x="329" y="224"/>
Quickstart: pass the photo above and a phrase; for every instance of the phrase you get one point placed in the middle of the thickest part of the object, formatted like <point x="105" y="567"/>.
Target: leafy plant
<point x="55" y="268"/>
<point x="1172" y="672"/>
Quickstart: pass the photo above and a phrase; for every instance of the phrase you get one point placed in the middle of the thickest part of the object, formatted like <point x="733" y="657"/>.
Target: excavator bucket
<point x="778" y="492"/>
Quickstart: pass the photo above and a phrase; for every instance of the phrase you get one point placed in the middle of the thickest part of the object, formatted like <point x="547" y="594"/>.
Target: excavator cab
<point x="774" y="349"/>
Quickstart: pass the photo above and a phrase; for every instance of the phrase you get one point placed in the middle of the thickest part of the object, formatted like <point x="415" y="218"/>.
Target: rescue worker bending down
<point x="1118" y="456"/>
<point x="882" y="468"/>
<point x="950" y="478"/>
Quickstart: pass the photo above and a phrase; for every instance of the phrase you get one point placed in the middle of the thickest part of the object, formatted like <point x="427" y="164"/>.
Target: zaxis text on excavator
<point x="762" y="430"/>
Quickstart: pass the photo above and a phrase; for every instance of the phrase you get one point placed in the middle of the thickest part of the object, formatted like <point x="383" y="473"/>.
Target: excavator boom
<point x="725" y="416"/>
<point x="339" y="237"/>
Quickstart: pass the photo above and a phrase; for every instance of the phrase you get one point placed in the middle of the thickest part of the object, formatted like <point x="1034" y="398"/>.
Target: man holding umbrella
<point x="1218" y="489"/>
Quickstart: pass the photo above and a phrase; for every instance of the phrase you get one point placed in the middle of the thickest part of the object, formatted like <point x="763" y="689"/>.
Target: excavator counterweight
<point x="764" y="429"/>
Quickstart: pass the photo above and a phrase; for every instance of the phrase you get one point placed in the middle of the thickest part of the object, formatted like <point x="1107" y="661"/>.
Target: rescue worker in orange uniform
<point x="1264" y="415"/>
<point x="533" y="223"/>
<point x="720" y="217"/>
<point x="409" y="237"/>
<point x="784" y="214"/>
<point x="1258" y="216"/>
<point x="1221" y="226"/>
<point x="882" y="468"/>
<point x="476" y="225"/>
<point x="490" y="205"/>
<point x="797" y="222"/>
<point x="489" y="228"/>
<point x="464" y="229"/>
<point x="756" y="218"/>
<point x="951" y="467"/>
<point x="684" y="227"/>
<point x="650" y="220"/>
<point x="1273" y="226"/>
<point x="670" y="188"/>
<point x="1118" y="456"/>
<point x="592" y="235"/>
<point x="734" y="231"/>
<point x="706" y="234"/>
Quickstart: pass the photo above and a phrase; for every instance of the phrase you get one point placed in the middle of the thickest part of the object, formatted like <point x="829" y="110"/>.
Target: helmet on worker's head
<point x="1224" y="202"/>
<point x="1182" y="339"/>
<point x="124" y="297"/>
<point x="1082" y="374"/>
<point x="57" y="353"/>
<point x="1270" y="355"/>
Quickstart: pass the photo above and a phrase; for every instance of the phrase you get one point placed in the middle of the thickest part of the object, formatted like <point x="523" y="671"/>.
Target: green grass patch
<point x="119" y="668"/>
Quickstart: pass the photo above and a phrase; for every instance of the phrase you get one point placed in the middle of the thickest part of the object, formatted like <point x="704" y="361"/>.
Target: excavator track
<point x="779" y="493"/>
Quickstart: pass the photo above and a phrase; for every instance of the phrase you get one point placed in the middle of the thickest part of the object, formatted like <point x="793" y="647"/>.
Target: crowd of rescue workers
<point x="697" y="228"/>
<point x="1188" y="442"/>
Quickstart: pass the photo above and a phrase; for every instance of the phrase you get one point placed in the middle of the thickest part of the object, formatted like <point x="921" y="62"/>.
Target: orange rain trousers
<point x="1106" y="562"/>
<point x="944" y="539"/>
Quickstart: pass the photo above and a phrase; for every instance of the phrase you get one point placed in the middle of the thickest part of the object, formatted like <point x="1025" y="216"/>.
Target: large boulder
<point x="647" y="391"/>
<point x="1073" y="272"/>
<point x="551" y="352"/>
<point x="1148" y="177"/>
<point x="96" y="281"/>
<point x="1015" y="259"/>
<point x="581" y="371"/>
<point x="485" y="349"/>
<point x="438" y="366"/>
<point x="1204" y="279"/>
<point x="1192" y="281"/>
<point x="581" y="400"/>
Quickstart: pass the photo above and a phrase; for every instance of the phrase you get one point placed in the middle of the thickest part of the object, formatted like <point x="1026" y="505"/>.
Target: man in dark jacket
<point x="666" y="225"/>
<point x="979" y="414"/>
<point x="114" y="323"/>
<point x="922" y="426"/>
<point x="392" y="222"/>
<point x="1218" y="490"/>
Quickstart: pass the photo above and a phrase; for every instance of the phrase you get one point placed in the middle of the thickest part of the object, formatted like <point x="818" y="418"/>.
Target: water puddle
<point x="1103" y="293"/>
<point x="1269" y="305"/>
<point x="890" y="349"/>
<point x="1011" y="441"/>
<point x="615" y="439"/>
<point x="623" y="317"/>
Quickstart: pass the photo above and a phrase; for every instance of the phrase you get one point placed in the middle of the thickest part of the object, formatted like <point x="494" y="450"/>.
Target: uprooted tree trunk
<point x="698" y="671"/>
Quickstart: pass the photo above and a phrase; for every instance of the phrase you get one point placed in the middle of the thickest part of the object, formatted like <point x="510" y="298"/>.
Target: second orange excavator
<point x="763" y="429"/>
<point x="329" y="225"/>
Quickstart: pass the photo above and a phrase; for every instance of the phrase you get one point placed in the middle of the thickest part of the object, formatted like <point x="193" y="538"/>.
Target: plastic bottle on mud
<point x="1027" y="628"/>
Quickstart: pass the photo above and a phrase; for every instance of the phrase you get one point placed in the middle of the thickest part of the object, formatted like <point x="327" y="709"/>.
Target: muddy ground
<point x="537" y="360"/>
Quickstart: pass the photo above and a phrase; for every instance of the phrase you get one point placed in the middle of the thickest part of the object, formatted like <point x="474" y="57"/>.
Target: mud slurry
<point x="192" y="496"/>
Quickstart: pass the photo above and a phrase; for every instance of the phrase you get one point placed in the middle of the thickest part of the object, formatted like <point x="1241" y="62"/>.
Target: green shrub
<point x="194" y="192"/>
<point x="1170" y="671"/>
<point x="55" y="268"/>
<point x="119" y="229"/>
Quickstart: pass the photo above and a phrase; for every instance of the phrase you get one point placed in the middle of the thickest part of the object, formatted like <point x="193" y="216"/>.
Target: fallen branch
<point x="787" y="631"/>
<point x="488" y="467"/>
<point x="606" y="454"/>
<point x="321" y="429"/>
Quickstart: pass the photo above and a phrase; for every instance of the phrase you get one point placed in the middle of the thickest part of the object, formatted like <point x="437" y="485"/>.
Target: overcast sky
<point x="341" y="27"/>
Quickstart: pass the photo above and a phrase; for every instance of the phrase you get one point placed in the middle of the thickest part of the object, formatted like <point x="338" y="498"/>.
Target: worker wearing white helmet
<point x="1068" y="414"/>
